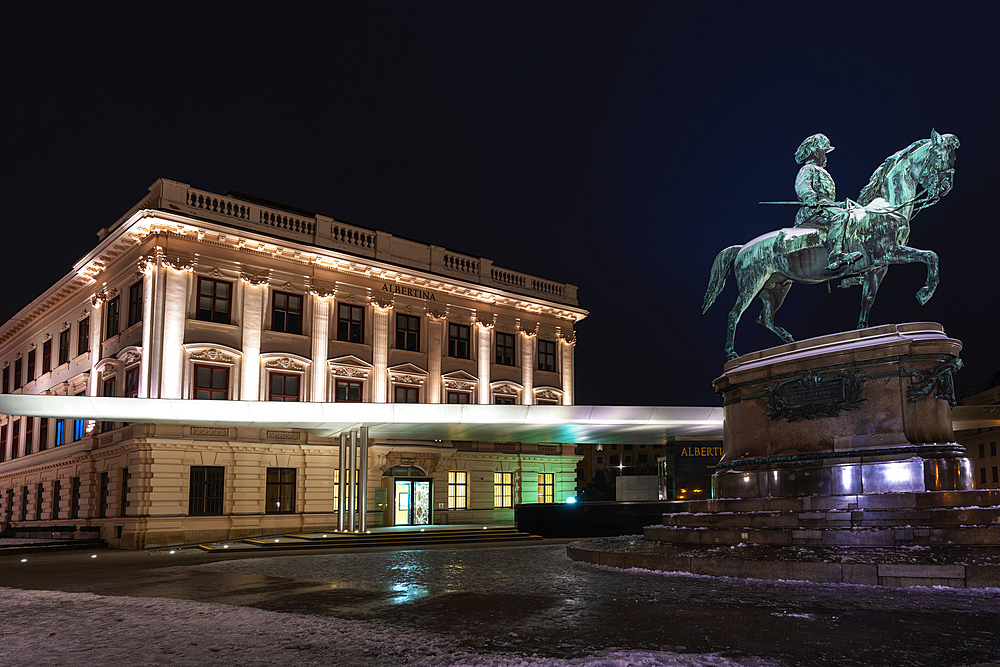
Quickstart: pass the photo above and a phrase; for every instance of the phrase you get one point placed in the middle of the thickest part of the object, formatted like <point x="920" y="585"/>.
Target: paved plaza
<point x="516" y="605"/>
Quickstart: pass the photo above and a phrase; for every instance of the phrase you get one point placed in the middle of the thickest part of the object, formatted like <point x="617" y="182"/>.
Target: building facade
<point x="981" y="443"/>
<point x="201" y="296"/>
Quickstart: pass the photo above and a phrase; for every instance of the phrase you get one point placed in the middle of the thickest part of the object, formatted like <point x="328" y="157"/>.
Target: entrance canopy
<point x="420" y="421"/>
<point x="397" y="421"/>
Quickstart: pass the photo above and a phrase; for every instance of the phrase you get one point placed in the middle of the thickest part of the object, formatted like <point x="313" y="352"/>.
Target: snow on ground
<point x="56" y="628"/>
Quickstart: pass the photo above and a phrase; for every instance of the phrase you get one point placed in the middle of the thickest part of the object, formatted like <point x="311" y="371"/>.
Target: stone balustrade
<point x="326" y="232"/>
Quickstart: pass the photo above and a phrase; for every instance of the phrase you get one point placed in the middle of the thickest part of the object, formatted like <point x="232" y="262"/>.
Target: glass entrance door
<point x="411" y="502"/>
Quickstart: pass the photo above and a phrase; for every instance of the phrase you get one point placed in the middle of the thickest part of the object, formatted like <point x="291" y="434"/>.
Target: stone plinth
<point x="859" y="412"/>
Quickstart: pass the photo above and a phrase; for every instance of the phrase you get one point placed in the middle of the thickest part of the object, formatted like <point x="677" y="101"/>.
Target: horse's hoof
<point x="924" y="295"/>
<point x="731" y="356"/>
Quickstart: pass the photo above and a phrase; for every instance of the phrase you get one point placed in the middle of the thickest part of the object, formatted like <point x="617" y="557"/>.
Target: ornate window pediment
<point x="212" y="353"/>
<point x="407" y="374"/>
<point x="460" y="380"/>
<point x="107" y="367"/>
<point x="506" y="388"/>
<point x="548" y="394"/>
<point x="285" y="362"/>
<point x="131" y="355"/>
<point x="349" y="366"/>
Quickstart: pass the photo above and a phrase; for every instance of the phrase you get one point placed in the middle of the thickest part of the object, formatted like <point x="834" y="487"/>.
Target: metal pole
<point x="342" y="481"/>
<point x="363" y="492"/>
<point x="352" y="476"/>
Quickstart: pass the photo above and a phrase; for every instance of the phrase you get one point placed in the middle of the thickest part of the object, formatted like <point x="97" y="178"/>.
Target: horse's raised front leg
<point x="870" y="282"/>
<point x="907" y="255"/>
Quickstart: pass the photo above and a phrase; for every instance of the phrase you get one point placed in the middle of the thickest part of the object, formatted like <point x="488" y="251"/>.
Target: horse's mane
<point x="874" y="187"/>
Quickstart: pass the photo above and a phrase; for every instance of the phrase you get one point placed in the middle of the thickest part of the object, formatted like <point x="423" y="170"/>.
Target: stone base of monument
<point x="842" y="441"/>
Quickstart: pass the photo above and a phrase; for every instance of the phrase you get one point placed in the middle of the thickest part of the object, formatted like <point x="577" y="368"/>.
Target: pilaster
<point x="320" y="348"/>
<point x="435" y="335"/>
<point x="172" y="344"/>
<point x="527" y="368"/>
<point x="148" y="269"/>
<point x="380" y="352"/>
<point x="252" y="323"/>
<point x="566" y="364"/>
<point x="484" y="336"/>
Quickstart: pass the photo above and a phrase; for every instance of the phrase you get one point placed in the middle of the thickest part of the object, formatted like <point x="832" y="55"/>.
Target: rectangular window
<point x="60" y="432"/>
<point x="982" y="475"/>
<point x="132" y="382"/>
<point x="406" y="394"/>
<point x="6" y="379"/>
<point x="102" y="500"/>
<point x="279" y="496"/>
<point x="284" y="387"/>
<point x="206" y="491"/>
<point x="407" y="332"/>
<point x="31" y="366"/>
<point x="43" y="434"/>
<point x="982" y="450"/>
<point x="56" y="499"/>
<point x="995" y="475"/>
<point x="546" y="487"/>
<point x="64" y="347"/>
<point x="214" y="300"/>
<point x="457" y="490"/>
<point x="211" y="383"/>
<point x="3" y="443"/>
<point x="39" y="493"/>
<point x="123" y="493"/>
<point x="458" y="341"/>
<point x="350" y="323"/>
<point x="286" y="313"/>
<point x="135" y="303"/>
<point x="17" y="374"/>
<point x="993" y="449"/>
<point x="348" y="391"/>
<point x="79" y="429"/>
<point x="46" y="356"/>
<point x="15" y="439"/>
<point x="503" y="489"/>
<point x="503" y="400"/>
<point x="505" y="349"/>
<point x="459" y="397"/>
<point x="79" y="425"/>
<point x="109" y="390"/>
<point x="546" y="355"/>
<point x="112" y="317"/>
<point x="82" y="337"/>
<point x="24" y="503"/>
<point x="74" y="500"/>
<point x="29" y="435"/>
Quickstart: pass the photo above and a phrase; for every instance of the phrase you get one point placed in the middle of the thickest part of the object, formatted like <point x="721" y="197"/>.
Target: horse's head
<point x="938" y="172"/>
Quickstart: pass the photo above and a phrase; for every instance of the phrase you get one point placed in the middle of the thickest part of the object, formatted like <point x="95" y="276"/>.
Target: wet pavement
<point x="533" y="600"/>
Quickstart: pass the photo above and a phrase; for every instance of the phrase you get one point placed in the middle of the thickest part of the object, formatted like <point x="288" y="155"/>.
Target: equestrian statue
<point x="854" y="242"/>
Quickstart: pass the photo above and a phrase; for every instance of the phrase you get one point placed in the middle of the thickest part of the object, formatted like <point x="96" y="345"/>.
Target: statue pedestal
<point x="839" y="441"/>
<point x="860" y="412"/>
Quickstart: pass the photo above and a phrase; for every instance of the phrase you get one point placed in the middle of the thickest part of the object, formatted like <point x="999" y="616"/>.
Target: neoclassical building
<point x="200" y="296"/>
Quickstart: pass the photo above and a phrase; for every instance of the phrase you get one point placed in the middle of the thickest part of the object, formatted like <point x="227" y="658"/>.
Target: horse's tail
<point x="720" y="269"/>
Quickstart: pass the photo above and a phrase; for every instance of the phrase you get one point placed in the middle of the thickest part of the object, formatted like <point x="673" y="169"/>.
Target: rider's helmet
<point x="810" y="145"/>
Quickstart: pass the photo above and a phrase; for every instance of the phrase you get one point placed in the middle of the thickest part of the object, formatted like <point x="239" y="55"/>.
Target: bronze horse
<point x="879" y="228"/>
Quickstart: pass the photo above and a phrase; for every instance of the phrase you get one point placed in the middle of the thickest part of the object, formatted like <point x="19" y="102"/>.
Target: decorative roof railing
<point x="326" y="232"/>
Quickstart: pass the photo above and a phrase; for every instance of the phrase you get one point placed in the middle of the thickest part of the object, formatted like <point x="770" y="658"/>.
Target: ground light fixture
<point x="571" y="500"/>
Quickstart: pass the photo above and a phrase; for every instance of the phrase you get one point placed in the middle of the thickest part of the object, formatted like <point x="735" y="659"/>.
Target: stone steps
<point x="926" y="519"/>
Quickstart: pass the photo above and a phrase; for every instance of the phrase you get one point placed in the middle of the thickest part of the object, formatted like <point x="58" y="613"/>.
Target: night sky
<point x="617" y="146"/>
